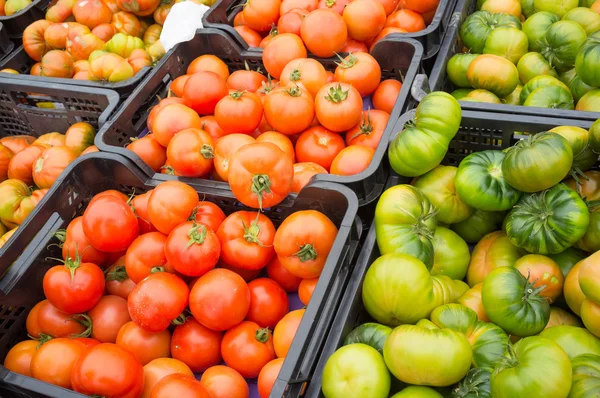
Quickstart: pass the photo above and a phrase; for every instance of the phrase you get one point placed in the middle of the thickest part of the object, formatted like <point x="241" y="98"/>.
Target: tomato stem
<point x="168" y="170"/>
<point x="119" y="273"/>
<point x="207" y="151"/>
<point x="156" y="269"/>
<point x="197" y="234"/>
<point x="306" y="253"/>
<point x="348" y="62"/>
<point x="180" y="320"/>
<point x="366" y="128"/>
<point x="236" y="95"/>
<point x="330" y="3"/>
<point x="44" y="338"/>
<point x="262" y="335"/>
<point x="294" y="91"/>
<point x="295" y="75"/>
<point x="72" y="264"/>
<point x="337" y="94"/>
<point x="61" y="235"/>
<point x="86" y="322"/>
<point x="261" y="183"/>
<point x="251" y="233"/>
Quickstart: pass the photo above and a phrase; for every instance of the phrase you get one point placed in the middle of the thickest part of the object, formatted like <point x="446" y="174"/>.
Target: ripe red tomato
<point x="74" y="287"/>
<point x="284" y="332"/>
<point x="289" y="5"/>
<point x="144" y="254"/>
<point x="303" y="241"/>
<point x="260" y="175"/>
<point x="260" y="15"/>
<point x="52" y="322"/>
<point x="282" y="49"/>
<point x="282" y="141"/>
<point x="179" y="385"/>
<point x="352" y="160"/>
<point x="246" y="274"/>
<point x="117" y="281"/>
<point x="225" y="382"/>
<point x="203" y="90"/>
<point x="210" y="125"/>
<point x="160" y="368"/>
<point x="140" y="208"/>
<point x="384" y="97"/>
<point x="54" y="360"/>
<point x="19" y="357"/>
<point x="150" y="150"/>
<point x="107" y="317"/>
<point x="145" y="346"/>
<point x="338" y="106"/>
<point x="354" y="46"/>
<point x="247" y="348"/>
<point x="161" y="104"/>
<point x="32" y="323"/>
<point x="109" y="224"/>
<point x="289" y="110"/>
<point x="195" y="345"/>
<point x="190" y="153"/>
<point x="306" y="289"/>
<point x="360" y="70"/>
<point x="224" y="150"/>
<point x="268" y="376"/>
<point x="282" y="276"/>
<point x="87" y="342"/>
<point x="369" y="131"/>
<point x="250" y="36"/>
<point x="246" y="80"/>
<point x="170" y="204"/>
<point x="364" y="18"/>
<point x="171" y="119"/>
<point x="406" y="19"/>
<point x="307" y="71"/>
<point x="157" y="300"/>
<point x="291" y="21"/>
<point x="335" y="5"/>
<point x="239" y="112"/>
<point x="303" y="172"/>
<point x="76" y="243"/>
<point x="319" y="145"/>
<point x="246" y="240"/>
<point x="192" y="249"/>
<point x="108" y="362"/>
<point x="322" y="23"/>
<point x="268" y="302"/>
<point x="220" y="299"/>
<point x="208" y="63"/>
<point x="208" y="214"/>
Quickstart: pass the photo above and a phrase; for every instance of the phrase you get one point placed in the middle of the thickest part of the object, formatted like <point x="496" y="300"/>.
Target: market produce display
<point x="529" y="53"/>
<point x="156" y="288"/>
<point x="525" y="323"/>
<point x="29" y="166"/>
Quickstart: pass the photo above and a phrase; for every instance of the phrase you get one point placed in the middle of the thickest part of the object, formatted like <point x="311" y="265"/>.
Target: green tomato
<point x="398" y="289"/>
<point x="510" y="43"/>
<point x="418" y="392"/>
<point x="451" y="254"/>
<point x="447" y="290"/>
<point x="456" y="69"/>
<point x="586" y="18"/>
<point x="586" y="3"/>
<point x="562" y="43"/>
<point x="553" y="97"/>
<point x="577" y="87"/>
<point x="527" y="8"/>
<point x="461" y="93"/>
<point x="558" y="7"/>
<point x="536" y="26"/>
<point x="540" y="82"/>
<point x="493" y="73"/>
<point x="590" y="102"/>
<point x="573" y="340"/>
<point x="123" y="45"/>
<point x="361" y="364"/>
<point x="548" y="222"/>
<point x="559" y="317"/>
<point x="423" y="356"/>
<point x="371" y="334"/>
<point x="511" y="302"/>
<point x="590" y="242"/>
<point x="588" y="60"/>
<point x="483" y="96"/>
<point x="477" y="27"/>
<point x="536" y="367"/>
<point x="567" y="259"/>
<point x="513" y="98"/>
<point x="595" y="136"/>
<point x="405" y="222"/>
<point x="583" y="155"/>
<point x="476" y="384"/>
<point x="493" y="251"/>
<point x="478" y="224"/>
<point x="586" y="376"/>
<point x="419" y="149"/>
<point x="480" y="183"/>
<point x="554" y="157"/>
<point x="438" y="185"/>
<point x="533" y="64"/>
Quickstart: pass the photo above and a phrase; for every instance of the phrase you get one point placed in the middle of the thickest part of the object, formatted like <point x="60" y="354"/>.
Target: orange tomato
<point x="364" y="18"/>
<point x="247" y="80"/>
<point x="421" y="6"/>
<point x="224" y="382"/>
<point x="54" y="360"/>
<point x="281" y="140"/>
<point x="190" y="153"/>
<point x="291" y="22"/>
<point x="288" y="281"/>
<point x="145" y="346"/>
<point x="572" y="291"/>
<point x="250" y="36"/>
<point x="159" y="368"/>
<point x="267" y="377"/>
<point x="284" y="332"/>
<point x="208" y="63"/>
<point x="172" y="119"/>
<point x="203" y="90"/>
<point x="352" y="160"/>
<point x="19" y="357"/>
<point x="320" y="23"/>
<point x="360" y="70"/>
<point x="319" y="145"/>
<point x="224" y="150"/>
<point x="306" y="71"/>
<point x="406" y="19"/>
<point x="150" y="150"/>
<point x="239" y="112"/>
<point x="289" y="5"/>
<point x="303" y="172"/>
<point x="369" y="131"/>
<point x="282" y="49"/>
<point x="179" y="385"/>
<point x="260" y="15"/>
<point x="385" y="95"/>
<point x="472" y="299"/>
<point x="354" y="46"/>
<point x="306" y="288"/>
<point x="542" y="271"/>
<point x="289" y="110"/>
<point x="385" y="32"/>
<point x="338" y="106"/>
<point x="210" y="125"/>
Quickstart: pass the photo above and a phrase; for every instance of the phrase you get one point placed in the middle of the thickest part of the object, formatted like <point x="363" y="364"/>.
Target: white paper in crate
<point x="181" y="23"/>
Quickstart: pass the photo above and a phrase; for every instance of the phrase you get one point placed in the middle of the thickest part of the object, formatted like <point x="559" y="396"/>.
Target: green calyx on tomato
<point x="337" y="94"/>
<point x="197" y="235"/>
<point x="119" y="274"/>
<point x="476" y="384"/>
<point x="306" y="253"/>
<point x="262" y="335"/>
<point x="261" y="184"/>
<point x="477" y="27"/>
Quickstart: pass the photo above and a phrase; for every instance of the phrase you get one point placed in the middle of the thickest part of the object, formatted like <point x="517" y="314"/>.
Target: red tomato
<point x="210" y="125"/>
<point x="247" y="348"/>
<point x="352" y="160"/>
<point x="74" y="287"/>
<point x="384" y="97"/>
<point x="260" y="175"/>
<point x="109" y="224"/>
<point x="203" y="90"/>
<point x="54" y="360"/>
<point x="246" y="274"/>
<point x="268" y="302"/>
<point x="406" y="19"/>
<point x="303" y="241"/>
<point x="220" y="299"/>
<point x="208" y="63"/>
<point x="117" y="281"/>
<point x="289" y="110"/>
<point x="76" y="243"/>
<point x="87" y="342"/>
<point x="306" y="289"/>
<point x="385" y="32"/>
<point x="55" y="323"/>
<point x="19" y="357"/>
<point x="190" y="153"/>
<point x="260" y="15"/>
<point x="208" y="214"/>
<point x="291" y="21"/>
<point x="246" y="240"/>
<point x="335" y="5"/>
<point x="354" y="46"/>
<point x="160" y="368"/>
<point x="170" y="204"/>
<point x="32" y="323"/>
<point x="107" y="318"/>
<point x="161" y="104"/>
<point x="369" y="131"/>
<point x="140" y="208"/>
<point x="360" y="70"/>
<point x="224" y="382"/>
<point x="364" y="18"/>
<point x="282" y="141"/>
<point x="250" y="36"/>
<point x="307" y="71"/>
<point x="246" y="80"/>
<point x="239" y="112"/>
<point x="171" y="119"/>
<point x="177" y="84"/>
<point x="284" y="332"/>
<point x="179" y="385"/>
<point x="268" y="376"/>
<point x="319" y="145"/>
<point x="144" y="254"/>
<point x="282" y="49"/>
<point x="289" y="5"/>
<point x="158" y="300"/>
<point x="322" y="23"/>
<point x="145" y="346"/>
<point x="282" y="276"/>
<point x="192" y="249"/>
<point x="108" y="362"/>
<point x="224" y="150"/>
<point x="150" y="150"/>
<point x="195" y="345"/>
<point x="338" y="106"/>
<point x="303" y="172"/>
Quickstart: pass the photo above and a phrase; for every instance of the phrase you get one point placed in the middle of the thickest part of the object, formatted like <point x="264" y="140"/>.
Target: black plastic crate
<point x="478" y="132"/>
<point x="35" y="108"/>
<point x="6" y="44"/>
<point x="397" y="57"/>
<point x="439" y="81"/>
<point x="221" y="15"/>
<point x="16" y="23"/>
<point x="89" y="175"/>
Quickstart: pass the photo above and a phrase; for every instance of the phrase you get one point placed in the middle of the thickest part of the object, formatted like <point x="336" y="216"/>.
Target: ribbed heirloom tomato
<point x="247" y="348"/>
<point x="20" y="165"/>
<point x="109" y="224"/>
<point x="268" y="303"/>
<point x="146" y="346"/>
<point x="319" y="145"/>
<point x="289" y="110"/>
<point x="50" y="164"/>
<point x="192" y="249"/>
<point x="191" y="152"/>
<point x="239" y="112"/>
<point x="338" y="106"/>
<point x="170" y="204"/>
<point x="195" y="345"/>
<point x="144" y="254"/>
